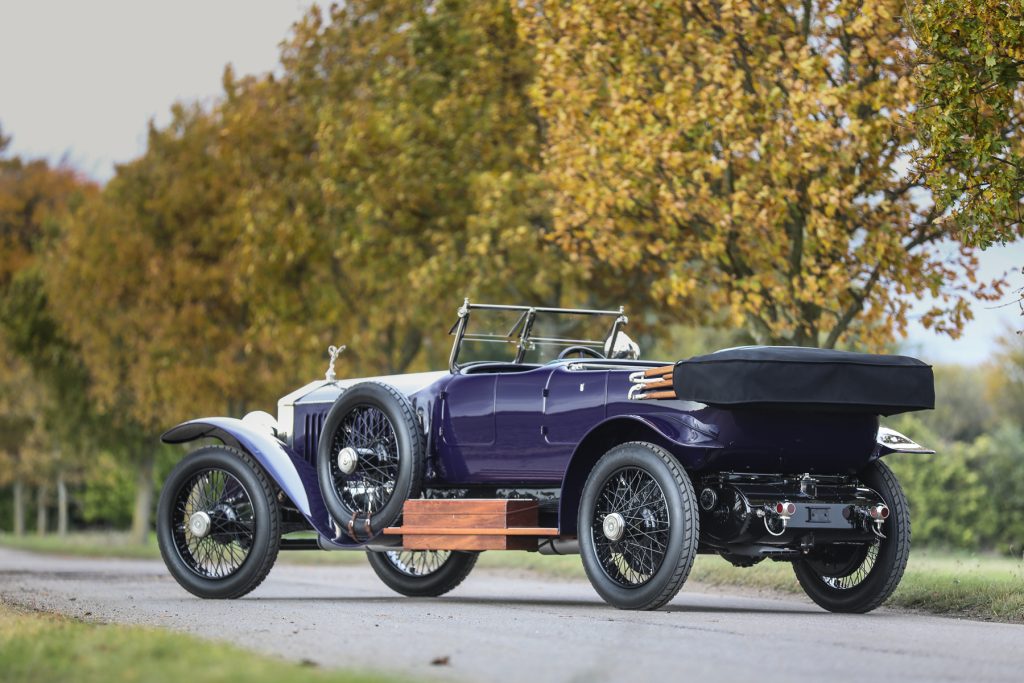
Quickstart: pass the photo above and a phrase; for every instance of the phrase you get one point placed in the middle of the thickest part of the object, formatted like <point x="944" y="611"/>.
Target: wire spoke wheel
<point x="218" y="523"/>
<point x="422" y="573"/>
<point x="631" y="527"/>
<point x="370" y="458"/>
<point x="858" y="573"/>
<point x="858" y="577"/>
<point x="371" y="484"/>
<point x="638" y="526"/>
<point x="213" y="523"/>
<point x="418" y="562"/>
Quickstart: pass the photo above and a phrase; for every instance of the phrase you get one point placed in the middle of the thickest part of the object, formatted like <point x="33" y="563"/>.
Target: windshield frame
<point x="519" y="335"/>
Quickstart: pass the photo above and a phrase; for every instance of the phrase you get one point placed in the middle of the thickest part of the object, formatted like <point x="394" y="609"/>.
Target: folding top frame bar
<point x="519" y="334"/>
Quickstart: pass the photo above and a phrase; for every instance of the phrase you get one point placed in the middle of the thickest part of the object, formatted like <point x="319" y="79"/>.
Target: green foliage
<point x="970" y="494"/>
<point x="949" y="502"/>
<point x="6" y="510"/>
<point x="107" y="499"/>
<point x="963" y="407"/>
<point x="970" y="112"/>
<point x="999" y="459"/>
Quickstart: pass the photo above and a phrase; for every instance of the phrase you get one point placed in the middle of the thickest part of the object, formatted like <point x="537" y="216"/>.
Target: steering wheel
<point x="582" y="350"/>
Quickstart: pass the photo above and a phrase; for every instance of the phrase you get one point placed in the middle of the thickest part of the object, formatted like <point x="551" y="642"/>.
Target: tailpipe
<point x="559" y="546"/>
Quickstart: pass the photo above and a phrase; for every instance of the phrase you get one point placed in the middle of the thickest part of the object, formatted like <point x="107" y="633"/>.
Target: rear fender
<point x="296" y="477"/>
<point x="685" y="437"/>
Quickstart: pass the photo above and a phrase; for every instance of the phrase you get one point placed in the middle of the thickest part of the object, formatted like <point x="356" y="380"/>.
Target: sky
<point x="81" y="80"/>
<point x="84" y="78"/>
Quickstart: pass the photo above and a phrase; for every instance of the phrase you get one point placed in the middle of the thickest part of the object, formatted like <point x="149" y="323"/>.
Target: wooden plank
<point x="658" y="384"/>
<point x="467" y="542"/>
<point x="660" y="394"/>
<point x="484" y="505"/>
<point x="659" y="372"/>
<point x="496" y="513"/>
<point x="461" y="531"/>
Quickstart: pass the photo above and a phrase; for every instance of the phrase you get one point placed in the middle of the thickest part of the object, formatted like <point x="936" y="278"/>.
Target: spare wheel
<point x="370" y="458"/>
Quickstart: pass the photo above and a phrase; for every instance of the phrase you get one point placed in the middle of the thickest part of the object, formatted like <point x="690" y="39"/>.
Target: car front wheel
<point x="638" y="526"/>
<point x="218" y="523"/>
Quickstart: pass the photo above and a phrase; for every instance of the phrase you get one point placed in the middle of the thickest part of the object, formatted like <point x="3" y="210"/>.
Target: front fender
<point x="296" y="477"/>
<point x="687" y="438"/>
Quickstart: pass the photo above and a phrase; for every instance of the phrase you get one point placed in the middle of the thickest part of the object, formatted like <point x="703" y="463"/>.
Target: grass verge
<point x="959" y="584"/>
<point x="44" y="648"/>
<point x="955" y="584"/>
<point x="85" y="544"/>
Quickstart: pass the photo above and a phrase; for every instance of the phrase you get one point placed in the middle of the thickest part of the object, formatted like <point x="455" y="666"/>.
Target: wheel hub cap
<point x="614" y="526"/>
<point x="199" y="524"/>
<point x="347" y="460"/>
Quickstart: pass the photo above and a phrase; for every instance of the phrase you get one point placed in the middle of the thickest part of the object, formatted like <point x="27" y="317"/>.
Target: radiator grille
<point x="313" y="424"/>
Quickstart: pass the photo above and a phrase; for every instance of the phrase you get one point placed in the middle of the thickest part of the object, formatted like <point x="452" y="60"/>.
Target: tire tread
<point x="417" y="465"/>
<point x="267" y="556"/>
<point x="690" y="521"/>
<point x="430" y="586"/>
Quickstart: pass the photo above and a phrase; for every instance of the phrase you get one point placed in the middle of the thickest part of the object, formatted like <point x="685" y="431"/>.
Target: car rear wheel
<point x="422" y="573"/>
<point x="859" y="578"/>
<point x="370" y="458"/>
<point x="218" y="523"/>
<point x="638" y="526"/>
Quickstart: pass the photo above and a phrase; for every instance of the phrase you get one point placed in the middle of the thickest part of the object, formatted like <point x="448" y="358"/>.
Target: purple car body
<point x="507" y="425"/>
<point x="751" y="453"/>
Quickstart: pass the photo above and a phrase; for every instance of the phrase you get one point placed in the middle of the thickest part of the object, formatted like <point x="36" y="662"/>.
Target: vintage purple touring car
<point x="750" y="453"/>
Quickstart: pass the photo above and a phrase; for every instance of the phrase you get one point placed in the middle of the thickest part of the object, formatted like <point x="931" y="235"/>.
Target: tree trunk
<point x="62" y="506"/>
<point x="19" y="508"/>
<point x="41" y="517"/>
<point x="143" y="497"/>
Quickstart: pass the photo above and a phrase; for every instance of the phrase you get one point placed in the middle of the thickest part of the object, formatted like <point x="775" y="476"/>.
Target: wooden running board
<point x="470" y="524"/>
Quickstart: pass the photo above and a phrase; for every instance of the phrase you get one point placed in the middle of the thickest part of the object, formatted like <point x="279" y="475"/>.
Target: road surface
<point x="504" y="626"/>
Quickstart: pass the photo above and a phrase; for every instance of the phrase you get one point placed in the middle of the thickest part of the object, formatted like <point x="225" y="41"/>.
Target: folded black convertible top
<point x="807" y="378"/>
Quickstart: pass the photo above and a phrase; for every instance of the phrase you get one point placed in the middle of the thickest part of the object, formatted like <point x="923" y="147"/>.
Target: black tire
<point x="889" y="557"/>
<point x="611" y="565"/>
<point x="397" y="456"/>
<point x="409" y="576"/>
<point x="244" y="523"/>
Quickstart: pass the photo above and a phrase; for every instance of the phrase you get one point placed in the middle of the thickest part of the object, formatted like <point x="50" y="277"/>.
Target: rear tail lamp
<point x="785" y="508"/>
<point x="880" y="511"/>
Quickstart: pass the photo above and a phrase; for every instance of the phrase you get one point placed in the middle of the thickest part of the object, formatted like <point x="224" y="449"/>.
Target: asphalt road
<point x="503" y="626"/>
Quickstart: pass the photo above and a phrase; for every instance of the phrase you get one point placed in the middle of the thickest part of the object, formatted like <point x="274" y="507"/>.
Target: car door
<point x="575" y="400"/>
<point x="467" y="414"/>
<point x="521" y="453"/>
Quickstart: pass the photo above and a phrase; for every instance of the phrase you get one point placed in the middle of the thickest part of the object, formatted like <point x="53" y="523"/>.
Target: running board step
<point x="470" y="524"/>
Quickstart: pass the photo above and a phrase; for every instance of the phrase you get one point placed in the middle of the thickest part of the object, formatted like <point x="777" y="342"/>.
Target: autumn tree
<point x="970" y="75"/>
<point x="16" y="421"/>
<point x="142" y="280"/>
<point x="1005" y="374"/>
<point x="748" y="160"/>
<point x="45" y="410"/>
<point x="412" y="181"/>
